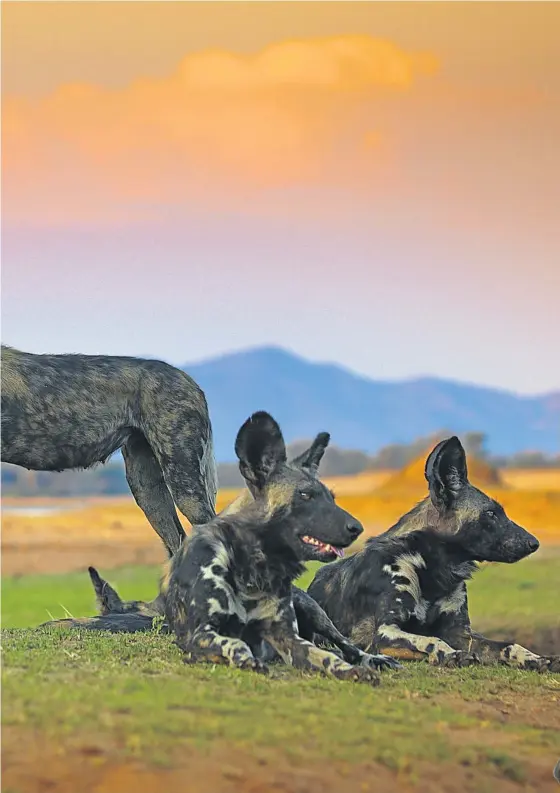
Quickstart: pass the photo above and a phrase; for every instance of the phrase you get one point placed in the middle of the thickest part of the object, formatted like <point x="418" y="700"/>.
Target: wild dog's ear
<point x="310" y="459"/>
<point x="446" y="472"/>
<point x="108" y="602"/>
<point x="260" y="448"/>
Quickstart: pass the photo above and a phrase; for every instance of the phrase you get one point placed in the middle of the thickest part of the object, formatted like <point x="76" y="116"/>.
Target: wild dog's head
<point x="290" y="494"/>
<point x="477" y="522"/>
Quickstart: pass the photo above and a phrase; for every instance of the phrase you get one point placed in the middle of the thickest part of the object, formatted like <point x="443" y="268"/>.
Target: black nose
<point x="354" y="528"/>
<point x="534" y="544"/>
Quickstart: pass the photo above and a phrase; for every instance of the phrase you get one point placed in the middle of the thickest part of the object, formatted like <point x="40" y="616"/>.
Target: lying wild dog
<point x="229" y="588"/>
<point x="133" y="616"/>
<point x="117" y="615"/>
<point x="73" y="411"/>
<point x="404" y="594"/>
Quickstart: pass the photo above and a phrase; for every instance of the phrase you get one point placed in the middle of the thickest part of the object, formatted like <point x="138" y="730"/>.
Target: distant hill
<point x="366" y="414"/>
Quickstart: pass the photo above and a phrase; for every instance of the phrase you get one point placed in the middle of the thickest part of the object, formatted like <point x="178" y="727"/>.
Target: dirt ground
<point x="32" y="765"/>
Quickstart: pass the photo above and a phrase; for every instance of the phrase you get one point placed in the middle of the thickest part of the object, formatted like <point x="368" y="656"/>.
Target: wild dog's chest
<point x="235" y="601"/>
<point x="413" y="593"/>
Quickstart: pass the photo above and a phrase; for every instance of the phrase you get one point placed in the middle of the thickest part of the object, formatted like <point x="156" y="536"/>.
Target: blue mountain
<point x="365" y="414"/>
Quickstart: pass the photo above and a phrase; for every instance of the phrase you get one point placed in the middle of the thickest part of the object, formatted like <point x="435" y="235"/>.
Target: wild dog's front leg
<point x="313" y="621"/>
<point x="206" y="644"/>
<point x="302" y="654"/>
<point x="392" y="638"/>
<point x="512" y="654"/>
<point x="405" y="646"/>
<point x="454" y="627"/>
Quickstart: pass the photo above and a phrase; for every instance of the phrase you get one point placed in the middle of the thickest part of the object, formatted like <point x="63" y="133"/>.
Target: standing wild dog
<point x="117" y="615"/>
<point x="73" y="411"/>
<point x="404" y="594"/>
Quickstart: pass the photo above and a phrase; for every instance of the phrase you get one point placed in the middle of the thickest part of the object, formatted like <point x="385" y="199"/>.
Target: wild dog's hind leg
<point x="145" y="479"/>
<point x="184" y="449"/>
<point x="313" y="622"/>
<point x="281" y="633"/>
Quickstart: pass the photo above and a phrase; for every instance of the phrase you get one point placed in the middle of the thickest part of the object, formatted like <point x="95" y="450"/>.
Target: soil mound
<point x="411" y="479"/>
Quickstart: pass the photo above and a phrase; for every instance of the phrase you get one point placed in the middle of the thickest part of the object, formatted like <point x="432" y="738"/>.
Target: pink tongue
<point x="338" y="551"/>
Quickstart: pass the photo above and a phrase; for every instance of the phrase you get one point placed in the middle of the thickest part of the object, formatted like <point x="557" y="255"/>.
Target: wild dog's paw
<point x="380" y="662"/>
<point x="516" y="655"/>
<point x="254" y="665"/>
<point x="461" y="658"/>
<point x="454" y="660"/>
<point x="359" y="674"/>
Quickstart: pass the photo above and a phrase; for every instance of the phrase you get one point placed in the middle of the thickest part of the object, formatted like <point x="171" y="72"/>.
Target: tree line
<point x="110" y="479"/>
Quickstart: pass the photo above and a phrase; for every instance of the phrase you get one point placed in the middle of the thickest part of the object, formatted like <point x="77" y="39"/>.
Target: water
<point x="40" y="510"/>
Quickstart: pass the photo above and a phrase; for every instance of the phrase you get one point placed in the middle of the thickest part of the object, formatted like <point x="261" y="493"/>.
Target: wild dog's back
<point x="72" y="411"/>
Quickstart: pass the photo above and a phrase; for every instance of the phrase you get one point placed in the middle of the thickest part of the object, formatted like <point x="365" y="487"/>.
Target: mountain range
<point x="365" y="414"/>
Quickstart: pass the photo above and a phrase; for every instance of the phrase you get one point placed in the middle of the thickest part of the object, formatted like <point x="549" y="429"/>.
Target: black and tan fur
<point x="405" y="593"/>
<point x="229" y="590"/>
<point x="228" y="593"/>
<point x="73" y="411"/>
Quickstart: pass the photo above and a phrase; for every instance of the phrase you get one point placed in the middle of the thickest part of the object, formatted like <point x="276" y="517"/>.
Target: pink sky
<point x="375" y="184"/>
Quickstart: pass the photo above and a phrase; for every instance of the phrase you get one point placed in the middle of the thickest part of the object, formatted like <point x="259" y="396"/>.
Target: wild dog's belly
<point x="52" y="440"/>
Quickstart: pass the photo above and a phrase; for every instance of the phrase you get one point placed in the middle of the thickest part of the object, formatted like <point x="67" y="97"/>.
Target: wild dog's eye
<point x="305" y="494"/>
<point x="491" y="514"/>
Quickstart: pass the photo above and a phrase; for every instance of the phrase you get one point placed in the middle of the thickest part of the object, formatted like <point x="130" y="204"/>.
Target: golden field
<point x="111" y="532"/>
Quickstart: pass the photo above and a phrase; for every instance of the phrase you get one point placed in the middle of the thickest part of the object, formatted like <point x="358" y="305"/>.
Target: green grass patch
<point x="501" y="597"/>
<point x="134" y="690"/>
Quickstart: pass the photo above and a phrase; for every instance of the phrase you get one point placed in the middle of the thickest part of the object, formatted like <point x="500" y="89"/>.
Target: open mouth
<point x="322" y="547"/>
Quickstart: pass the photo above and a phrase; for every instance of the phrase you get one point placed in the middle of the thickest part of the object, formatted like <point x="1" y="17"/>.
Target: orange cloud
<point x="295" y="112"/>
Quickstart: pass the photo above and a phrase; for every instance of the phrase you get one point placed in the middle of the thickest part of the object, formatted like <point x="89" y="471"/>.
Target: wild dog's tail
<point x="108" y="601"/>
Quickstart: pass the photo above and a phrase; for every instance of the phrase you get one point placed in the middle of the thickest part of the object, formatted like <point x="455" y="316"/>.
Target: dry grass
<point x="112" y="532"/>
<point x="532" y="478"/>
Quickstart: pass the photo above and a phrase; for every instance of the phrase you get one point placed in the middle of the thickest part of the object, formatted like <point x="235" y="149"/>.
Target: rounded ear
<point x="310" y="459"/>
<point x="446" y="472"/>
<point x="260" y="448"/>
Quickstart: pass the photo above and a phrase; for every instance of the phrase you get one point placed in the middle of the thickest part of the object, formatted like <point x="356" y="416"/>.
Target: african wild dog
<point x="229" y="588"/>
<point x="405" y="594"/>
<point x="73" y="411"/>
<point x="117" y="615"/>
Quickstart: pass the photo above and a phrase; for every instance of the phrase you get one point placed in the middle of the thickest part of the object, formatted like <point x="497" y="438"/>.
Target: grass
<point x="134" y="692"/>
<point x="501" y="597"/>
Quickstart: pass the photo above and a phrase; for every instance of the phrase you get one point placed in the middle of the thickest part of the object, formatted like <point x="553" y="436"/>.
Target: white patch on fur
<point x="222" y="560"/>
<point x="420" y="643"/>
<point x="518" y="655"/>
<point x="407" y="566"/>
<point x="454" y="603"/>
<point x="215" y="607"/>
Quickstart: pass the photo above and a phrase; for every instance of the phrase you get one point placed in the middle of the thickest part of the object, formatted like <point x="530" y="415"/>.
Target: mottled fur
<point x="228" y="593"/>
<point x="405" y="593"/>
<point x="73" y="411"/>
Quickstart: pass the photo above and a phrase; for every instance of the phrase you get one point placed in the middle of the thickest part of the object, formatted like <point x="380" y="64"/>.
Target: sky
<point x="372" y="184"/>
